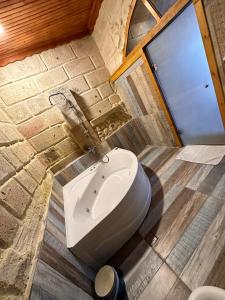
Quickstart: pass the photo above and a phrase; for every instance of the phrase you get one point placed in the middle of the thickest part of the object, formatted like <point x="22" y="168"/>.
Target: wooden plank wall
<point x="136" y="90"/>
<point x="32" y="26"/>
<point x="215" y="14"/>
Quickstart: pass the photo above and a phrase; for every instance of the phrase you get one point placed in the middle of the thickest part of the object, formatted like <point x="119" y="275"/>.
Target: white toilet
<point x="207" y="293"/>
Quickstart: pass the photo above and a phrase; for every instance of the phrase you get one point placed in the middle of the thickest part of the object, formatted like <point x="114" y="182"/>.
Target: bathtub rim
<point x="67" y="189"/>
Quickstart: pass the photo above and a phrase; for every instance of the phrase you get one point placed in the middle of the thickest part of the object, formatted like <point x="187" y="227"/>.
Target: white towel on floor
<point x="210" y="155"/>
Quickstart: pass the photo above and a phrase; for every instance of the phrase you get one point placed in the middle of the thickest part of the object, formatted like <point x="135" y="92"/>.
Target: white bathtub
<point x="104" y="206"/>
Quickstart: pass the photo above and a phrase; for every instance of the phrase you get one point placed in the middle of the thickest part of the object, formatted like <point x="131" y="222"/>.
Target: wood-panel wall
<point x="137" y="91"/>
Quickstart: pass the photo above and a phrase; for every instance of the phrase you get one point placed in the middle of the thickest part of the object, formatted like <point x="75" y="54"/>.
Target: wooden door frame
<point x="138" y="52"/>
<point x="211" y="56"/>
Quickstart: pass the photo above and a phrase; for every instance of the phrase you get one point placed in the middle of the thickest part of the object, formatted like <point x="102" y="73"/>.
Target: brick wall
<point x="109" y="31"/>
<point x="24" y="191"/>
<point x="26" y="85"/>
<point x="33" y="137"/>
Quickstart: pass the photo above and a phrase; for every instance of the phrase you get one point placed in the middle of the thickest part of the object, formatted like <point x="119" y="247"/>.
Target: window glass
<point x="141" y="22"/>
<point x="162" y="5"/>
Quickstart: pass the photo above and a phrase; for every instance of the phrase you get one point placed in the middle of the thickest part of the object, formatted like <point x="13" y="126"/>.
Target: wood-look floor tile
<point x="52" y="284"/>
<point x="50" y="226"/>
<point x="52" y="217"/>
<point x="57" y="212"/>
<point x="180" y="176"/>
<point x="161" y="159"/>
<point x="160" y="285"/>
<point x="199" y="177"/>
<point x="219" y="190"/>
<point x="160" y="178"/>
<point x="62" y="250"/>
<point x="145" y="152"/>
<point x="168" y="218"/>
<point x="193" y="235"/>
<point x="205" y="256"/>
<point x="156" y="211"/>
<point x="178" y="292"/>
<point x="152" y="156"/>
<point x="176" y="221"/>
<point x="51" y="257"/>
<point x="217" y="274"/>
<point x="168" y="164"/>
<point x="37" y="293"/>
<point x="139" y="269"/>
<point x="213" y="179"/>
<point x="117" y="260"/>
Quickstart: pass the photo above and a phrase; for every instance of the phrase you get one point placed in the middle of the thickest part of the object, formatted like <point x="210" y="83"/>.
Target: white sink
<point x="207" y="293"/>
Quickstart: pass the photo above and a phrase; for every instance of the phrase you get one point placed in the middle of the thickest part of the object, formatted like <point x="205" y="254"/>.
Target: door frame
<point x="138" y="52"/>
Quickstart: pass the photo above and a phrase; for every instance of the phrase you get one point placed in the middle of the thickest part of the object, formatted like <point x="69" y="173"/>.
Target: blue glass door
<point x="182" y="71"/>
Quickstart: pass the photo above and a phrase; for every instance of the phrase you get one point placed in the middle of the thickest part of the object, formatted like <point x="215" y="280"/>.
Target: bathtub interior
<point x="91" y="196"/>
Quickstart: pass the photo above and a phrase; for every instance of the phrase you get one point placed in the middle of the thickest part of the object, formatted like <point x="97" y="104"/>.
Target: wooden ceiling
<point x="30" y="26"/>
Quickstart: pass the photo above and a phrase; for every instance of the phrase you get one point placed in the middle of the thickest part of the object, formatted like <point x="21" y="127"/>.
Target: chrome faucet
<point x="91" y="149"/>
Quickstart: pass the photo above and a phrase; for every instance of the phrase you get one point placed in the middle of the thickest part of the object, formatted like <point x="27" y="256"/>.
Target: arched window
<point x="143" y="17"/>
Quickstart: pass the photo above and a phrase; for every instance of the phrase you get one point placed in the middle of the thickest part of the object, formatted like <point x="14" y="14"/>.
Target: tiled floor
<point x="181" y="244"/>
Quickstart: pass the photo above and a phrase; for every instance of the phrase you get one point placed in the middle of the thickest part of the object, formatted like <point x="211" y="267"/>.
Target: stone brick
<point x="77" y="85"/>
<point x="79" y="66"/>
<point x="48" y="138"/>
<point x="29" y="234"/>
<point x="51" y="79"/>
<point x="105" y="90"/>
<point x="97" y="60"/>
<point x="15" y="197"/>
<point x="37" y="170"/>
<point x="6" y="169"/>
<point x="19" y="112"/>
<point x="14" y="271"/>
<point x="53" y="116"/>
<point x="49" y="156"/>
<point x="66" y="160"/>
<point x="66" y="147"/>
<point x="114" y="99"/>
<point x="4" y="76"/>
<point x="19" y="150"/>
<point x="8" y="228"/>
<point x="84" y="47"/>
<point x="3" y="138"/>
<point x="27" y="67"/>
<point x="29" y="149"/>
<point x="8" y="153"/>
<point x="4" y="117"/>
<point x="57" y="56"/>
<point x="20" y="90"/>
<point x="38" y="104"/>
<point x="98" y="109"/>
<point x="27" y="181"/>
<point x="89" y="98"/>
<point x="33" y="127"/>
<point x="97" y="77"/>
<point x="11" y="133"/>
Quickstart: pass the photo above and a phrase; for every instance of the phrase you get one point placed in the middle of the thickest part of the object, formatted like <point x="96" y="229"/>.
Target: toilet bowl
<point x="207" y="293"/>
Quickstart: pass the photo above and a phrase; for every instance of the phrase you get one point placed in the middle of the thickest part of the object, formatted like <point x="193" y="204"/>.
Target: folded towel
<point x="210" y="155"/>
